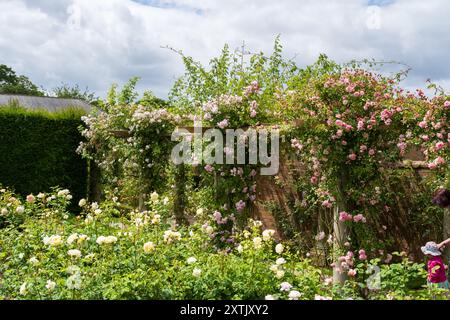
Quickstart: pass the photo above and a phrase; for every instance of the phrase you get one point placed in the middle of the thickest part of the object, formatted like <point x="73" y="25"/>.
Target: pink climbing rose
<point x="30" y="198"/>
<point x="351" y="272"/>
<point x="359" y="218"/>
<point x="223" y="124"/>
<point x="440" y="145"/>
<point x="240" y="205"/>
<point x="344" y="216"/>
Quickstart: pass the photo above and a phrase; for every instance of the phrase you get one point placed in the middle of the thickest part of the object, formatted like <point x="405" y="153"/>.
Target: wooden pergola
<point x="340" y="230"/>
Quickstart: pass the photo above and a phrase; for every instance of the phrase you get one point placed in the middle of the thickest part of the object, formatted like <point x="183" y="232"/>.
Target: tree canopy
<point x="12" y="83"/>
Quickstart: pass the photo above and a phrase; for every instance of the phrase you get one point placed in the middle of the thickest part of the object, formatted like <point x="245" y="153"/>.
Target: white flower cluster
<point x="65" y="193"/>
<point x="171" y="236"/>
<point x="79" y="238"/>
<point x="191" y="260"/>
<point x="53" y="241"/>
<point x="257" y="243"/>
<point x="74" y="253"/>
<point x="268" y="234"/>
<point x="106" y="240"/>
<point x="143" y="115"/>
<point x="149" y="247"/>
<point x="277" y="268"/>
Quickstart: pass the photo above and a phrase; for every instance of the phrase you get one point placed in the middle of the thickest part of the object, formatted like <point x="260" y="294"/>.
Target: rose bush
<point x="109" y="252"/>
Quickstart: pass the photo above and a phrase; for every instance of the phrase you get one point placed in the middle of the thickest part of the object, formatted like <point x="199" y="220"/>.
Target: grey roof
<point x="49" y="103"/>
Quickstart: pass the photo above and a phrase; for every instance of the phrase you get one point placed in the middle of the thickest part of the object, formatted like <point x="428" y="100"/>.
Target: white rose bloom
<point x="209" y="230"/>
<point x="50" y="285"/>
<point x="154" y="197"/>
<point x="110" y="239"/>
<point x="268" y="234"/>
<point x="34" y="260"/>
<point x="149" y="247"/>
<point x="279" y="248"/>
<point x="294" y="295"/>
<point x="199" y="211"/>
<point x="75" y="253"/>
<point x="100" y="240"/>
<point x="82" y="202"/>
<point x="240" y="248"/>
<point x="4" y="211"/>
<point x="74" y="281"/>
<point x="94" y="205"/>
<point x="171" y="236"/>
<point x="156" y="219"/>
<point x="40" y="195"/>
<point x="280" y="261"/>
<point x="98" y="211"/>
<point x="62" y="193"/>
<point x="196" y="272"/>
<point x="257" y="242"/>
<point x="257" y="223"/>
<point x="274" y="268"/>
<point x="285" y="286"/>
<point x="72" y="238"/>
<point x="23" y="289"/>
<point x="279" y="274"/>
<point x="191" y="260"/>
<point x="165" y="200"/>
<point x="270" y="297"/>
<point x="69" y="197"/>
<point x="53" y="241"/>
<point x="20" y="209"/>
<point x="89" y="219"/>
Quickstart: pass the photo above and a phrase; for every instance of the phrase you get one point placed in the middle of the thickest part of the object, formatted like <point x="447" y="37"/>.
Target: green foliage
<point x="229" y="74"/>
<point x="74" y="92"/>
<point x="136" y="161"/>
<point x="403" y="280"/>
<point x="11" y="83"/>
<point x="138" y="255"/>
<point x="110" y="252"/>
<point x="39" y="150"/>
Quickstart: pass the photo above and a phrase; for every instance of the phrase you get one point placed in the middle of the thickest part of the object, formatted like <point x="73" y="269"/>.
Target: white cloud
<point x="96" y="42"/>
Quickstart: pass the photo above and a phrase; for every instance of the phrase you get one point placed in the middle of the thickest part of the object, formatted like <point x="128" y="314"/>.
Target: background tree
<point x="75" y="92"/>
<point x="12" y="83"/>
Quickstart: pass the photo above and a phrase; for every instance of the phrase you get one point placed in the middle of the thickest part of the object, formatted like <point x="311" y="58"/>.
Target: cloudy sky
<point x="97" y="42"/>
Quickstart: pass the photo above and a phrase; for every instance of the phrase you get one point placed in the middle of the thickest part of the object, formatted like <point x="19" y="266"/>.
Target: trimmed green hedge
<point x="37" y="151"/>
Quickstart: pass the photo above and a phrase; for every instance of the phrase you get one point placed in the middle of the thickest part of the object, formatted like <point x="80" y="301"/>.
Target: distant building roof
<point x="49" y="103"/>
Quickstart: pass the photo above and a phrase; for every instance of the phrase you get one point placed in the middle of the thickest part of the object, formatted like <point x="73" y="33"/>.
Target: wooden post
<point x="446" y="233"/>
<point x="340" y="230"/>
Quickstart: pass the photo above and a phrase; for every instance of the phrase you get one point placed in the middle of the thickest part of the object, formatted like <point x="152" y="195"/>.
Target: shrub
<point x="38" y="150"/>
<point x="108" y="252"/>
